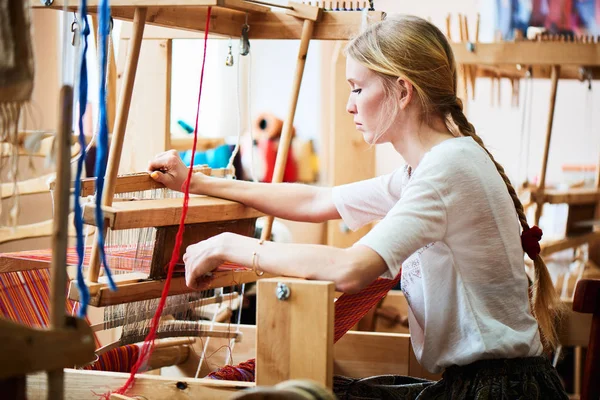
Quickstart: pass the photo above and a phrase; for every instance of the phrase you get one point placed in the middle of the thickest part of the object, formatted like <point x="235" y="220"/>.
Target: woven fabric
<point x="122" y="260"/>
<point x="25" y="299"/>
<point x="350" y="308"/>
<point x="120" y="359"/>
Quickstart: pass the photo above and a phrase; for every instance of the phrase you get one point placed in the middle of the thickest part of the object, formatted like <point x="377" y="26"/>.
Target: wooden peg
<point x="448" y="34"/>
<point x="518" y="35"/>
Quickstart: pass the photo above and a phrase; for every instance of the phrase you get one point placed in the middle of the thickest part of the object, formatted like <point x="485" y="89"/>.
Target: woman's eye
<point x="356" y="91"/>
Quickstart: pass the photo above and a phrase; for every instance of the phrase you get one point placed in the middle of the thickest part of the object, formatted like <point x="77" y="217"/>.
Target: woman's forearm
<point x="350" y="269"/>
<point x="297" y="202"/>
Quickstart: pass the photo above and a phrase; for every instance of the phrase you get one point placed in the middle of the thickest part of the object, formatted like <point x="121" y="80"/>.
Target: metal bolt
<point x="47" y="3"/>
<point x="283" y="291"/>
<point x="344" y="228"/>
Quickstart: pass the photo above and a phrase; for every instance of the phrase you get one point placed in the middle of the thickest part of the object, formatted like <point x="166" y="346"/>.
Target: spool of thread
<point x="267" y="126"/>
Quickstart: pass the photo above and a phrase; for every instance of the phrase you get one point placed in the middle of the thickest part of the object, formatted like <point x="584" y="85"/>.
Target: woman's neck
<point x="419" y="138"/>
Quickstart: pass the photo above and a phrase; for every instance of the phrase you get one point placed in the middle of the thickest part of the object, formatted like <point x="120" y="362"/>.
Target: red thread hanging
<point x="148" y="346"/>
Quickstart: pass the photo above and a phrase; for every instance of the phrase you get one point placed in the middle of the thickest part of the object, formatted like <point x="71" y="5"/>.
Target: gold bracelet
<point x="255" y="266"/>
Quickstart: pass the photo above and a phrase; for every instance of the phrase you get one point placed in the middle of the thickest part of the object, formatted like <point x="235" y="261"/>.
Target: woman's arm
<point x="350" y="269"/>
<point x="296" y="202"/>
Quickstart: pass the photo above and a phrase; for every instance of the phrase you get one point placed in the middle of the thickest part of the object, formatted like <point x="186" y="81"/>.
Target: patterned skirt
<point x="531" y="378"/>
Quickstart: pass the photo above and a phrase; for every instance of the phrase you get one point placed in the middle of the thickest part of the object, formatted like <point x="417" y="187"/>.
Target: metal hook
<point x="75" y="30"/>
<point x="229" y="58"/>
<point x="244" y="41"/>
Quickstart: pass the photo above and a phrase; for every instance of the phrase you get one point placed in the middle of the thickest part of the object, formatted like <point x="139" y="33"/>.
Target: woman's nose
<point x="351" y="107"/>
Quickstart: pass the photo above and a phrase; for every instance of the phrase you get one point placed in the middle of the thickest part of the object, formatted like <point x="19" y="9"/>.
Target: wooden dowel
<point x="116" y="146"/>
<point x="286" y="134"/>
<point x="555" y="73"/>
<point x="60" y="229"/>
<point x="448" y="27"/>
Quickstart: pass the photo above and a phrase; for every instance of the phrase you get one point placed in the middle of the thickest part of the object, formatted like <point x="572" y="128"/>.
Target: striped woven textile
<point x="120" y="359"/>
<point x="121" y="260"/>
<point x="25" y="297"/>
<point x="350" y="308"/>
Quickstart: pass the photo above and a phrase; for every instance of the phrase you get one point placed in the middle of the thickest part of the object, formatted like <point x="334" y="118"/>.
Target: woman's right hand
<point x="168" y="169"/>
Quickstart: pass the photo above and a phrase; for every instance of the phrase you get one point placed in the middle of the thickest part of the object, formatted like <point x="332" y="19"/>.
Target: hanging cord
<point x="102" y="147"/>
<point x="524" y="136"/>
<point x="529" y="119"/>
<point x="148" y="345"/>
<point x="84" y="294"/>
<point x="244" y="51"/>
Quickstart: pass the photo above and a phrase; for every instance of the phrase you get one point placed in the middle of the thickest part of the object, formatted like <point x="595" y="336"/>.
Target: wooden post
<point x="60" y="229"/>
<point x="286" y="134"/>
<point x="542" y="181"/>
<point x="285" y="337"/>
<point x="351" y="159"/>
<point x="116" y="145"/>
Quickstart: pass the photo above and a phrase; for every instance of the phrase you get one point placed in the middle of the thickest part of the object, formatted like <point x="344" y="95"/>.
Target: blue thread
<point x="102" y="151"/>
<point x="84" y="294"/>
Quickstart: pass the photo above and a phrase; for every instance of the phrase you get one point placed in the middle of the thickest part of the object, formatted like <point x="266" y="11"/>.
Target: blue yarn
<point x="84" y="294"/>
<point x="102" y="150"/>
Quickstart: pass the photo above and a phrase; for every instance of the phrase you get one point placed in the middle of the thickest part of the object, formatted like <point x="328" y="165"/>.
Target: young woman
<point x="451" y="224"/>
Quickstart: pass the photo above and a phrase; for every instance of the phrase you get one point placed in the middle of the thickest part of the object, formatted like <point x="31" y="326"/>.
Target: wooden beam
<point x="529" y="53"/>
<point x="363" y="354"/>
<point x="140" y="181"/>
<point x="27" y="350"/>
<point x="334" y="25"/>
<point x="568" y="243"/>
<point x="167" y="212"/>
<point x="85" y="385"/>
<point x="305" y="11"/>
<point x="93" y="4"/>
<point x="537" y="71"/>
<point x="281" y="354"/>
<point x="569" y="196"/>
<point x="140" y="289"/>
<point x="29" y="186"/>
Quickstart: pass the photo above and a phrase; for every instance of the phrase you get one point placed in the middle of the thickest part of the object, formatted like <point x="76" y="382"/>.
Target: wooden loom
<point x="228" y="16"/>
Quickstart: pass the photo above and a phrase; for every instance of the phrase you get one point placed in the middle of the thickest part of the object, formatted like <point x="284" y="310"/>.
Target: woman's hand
<point x="168" y="169"/>
<point x="202" y="258"/>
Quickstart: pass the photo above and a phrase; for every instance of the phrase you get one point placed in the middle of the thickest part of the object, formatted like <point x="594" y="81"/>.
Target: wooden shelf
<point x="549" y="247"/>
<point x="529" y="53"/>
<point x="515" y="71"/>
<point x="138" y="289"/>
<point x="167" y="212"/>
<point x="569" y="196"/>
<point x="228" y="16"/>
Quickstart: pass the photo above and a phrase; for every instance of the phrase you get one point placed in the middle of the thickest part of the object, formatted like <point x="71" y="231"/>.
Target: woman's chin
<point x="371" y="139"/>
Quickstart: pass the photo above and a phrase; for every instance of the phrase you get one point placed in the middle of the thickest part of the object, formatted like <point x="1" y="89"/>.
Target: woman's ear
<point x="406" y="92"/>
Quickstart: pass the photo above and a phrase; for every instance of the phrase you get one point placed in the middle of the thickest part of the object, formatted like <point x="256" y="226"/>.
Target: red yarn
<point x="243" y="372"/>
<point x="148" y="346"/>
<point x="530" y="240"/>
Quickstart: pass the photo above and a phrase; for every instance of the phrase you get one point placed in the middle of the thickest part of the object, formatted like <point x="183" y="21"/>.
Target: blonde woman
<point x="451" y="224"/>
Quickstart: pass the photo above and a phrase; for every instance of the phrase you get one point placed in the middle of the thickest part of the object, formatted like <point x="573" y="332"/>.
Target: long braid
<point x="546" y="304"/>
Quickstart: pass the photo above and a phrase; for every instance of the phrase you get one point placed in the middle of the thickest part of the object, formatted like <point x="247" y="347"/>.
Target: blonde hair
<point x="416" y="50"/>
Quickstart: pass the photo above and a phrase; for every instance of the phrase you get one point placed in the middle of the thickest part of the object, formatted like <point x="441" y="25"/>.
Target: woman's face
<point x="366" y="101"/>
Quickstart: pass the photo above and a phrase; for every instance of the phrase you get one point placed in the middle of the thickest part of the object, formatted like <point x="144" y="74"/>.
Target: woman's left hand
<point x="204" y="257"/>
